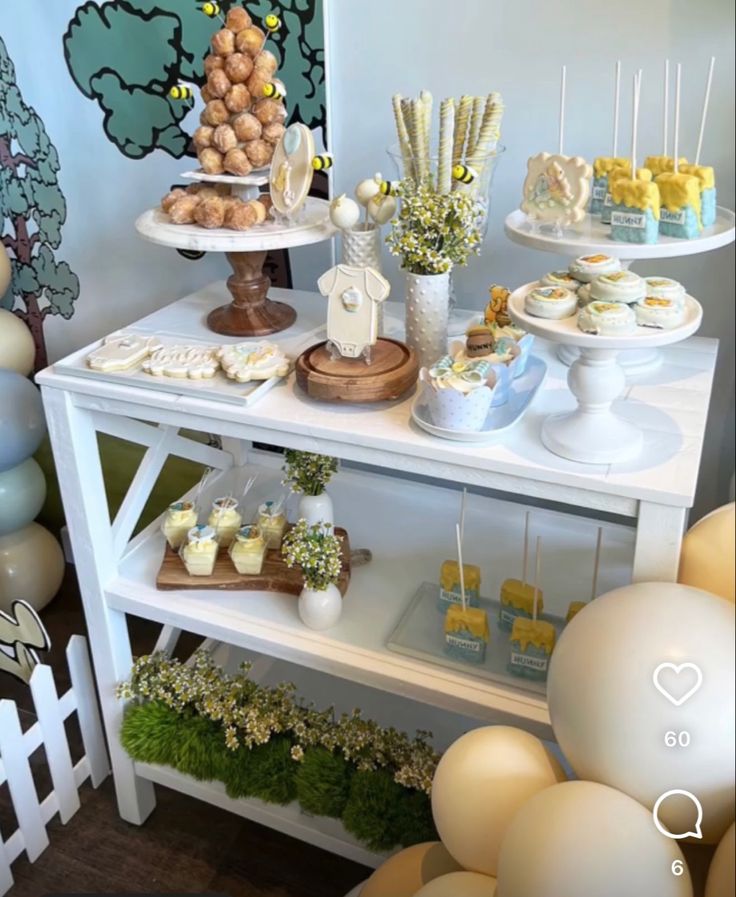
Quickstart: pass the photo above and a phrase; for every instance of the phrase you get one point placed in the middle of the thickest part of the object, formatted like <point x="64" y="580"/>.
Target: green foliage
<point x="376" y="809"/>
<point x="126" y="54"/>
<point x="308" y="472"/>
<point x="316" y="551"/>
<point x="323" y="782"/>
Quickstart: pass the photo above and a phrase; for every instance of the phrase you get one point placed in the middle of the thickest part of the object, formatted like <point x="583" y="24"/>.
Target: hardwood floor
<point x="185" y="847"/>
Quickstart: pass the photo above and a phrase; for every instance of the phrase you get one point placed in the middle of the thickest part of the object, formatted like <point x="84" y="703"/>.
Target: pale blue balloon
<point x="22" y="424"/>
<point x="292" y="140"/>
<point x="22" y="494"/>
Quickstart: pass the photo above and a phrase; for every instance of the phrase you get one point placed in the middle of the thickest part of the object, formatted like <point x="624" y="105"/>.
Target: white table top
<point x="670" y="406"/>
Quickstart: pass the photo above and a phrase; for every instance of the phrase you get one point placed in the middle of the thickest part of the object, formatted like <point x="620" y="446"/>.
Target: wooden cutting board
<point x="274" y="577"/>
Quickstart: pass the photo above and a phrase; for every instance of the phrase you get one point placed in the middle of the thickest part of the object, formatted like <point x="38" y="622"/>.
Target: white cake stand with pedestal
<point x="594" y="433"/>
<point x="251" y="313"/>
<point x="591" y="237"/>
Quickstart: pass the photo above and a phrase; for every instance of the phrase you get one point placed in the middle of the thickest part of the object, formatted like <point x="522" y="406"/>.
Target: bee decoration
<point x="274" y="90"/>
<point x="211" y="9"/>
<point x="323" y="162"/>
<point x="388" y="188"/>
<point x="181" y="92"/>
<point x="272" y="23"/>
<point x="464" y="173"/>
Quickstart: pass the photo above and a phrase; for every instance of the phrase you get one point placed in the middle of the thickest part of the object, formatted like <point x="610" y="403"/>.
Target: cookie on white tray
<point x="183" y="362"/>
<point x="121" y="352"/>
<point x="253" y="361"/>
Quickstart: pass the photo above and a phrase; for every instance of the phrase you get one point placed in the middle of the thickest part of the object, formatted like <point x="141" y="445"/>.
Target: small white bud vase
<point x="427" y="311"/>
<point x="361" y="246"/>
<point x="320" y="609"/>
<point x="317" y="509"/>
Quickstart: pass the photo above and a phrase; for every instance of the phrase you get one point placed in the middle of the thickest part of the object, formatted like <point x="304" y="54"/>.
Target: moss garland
<point x="373" y="807"/>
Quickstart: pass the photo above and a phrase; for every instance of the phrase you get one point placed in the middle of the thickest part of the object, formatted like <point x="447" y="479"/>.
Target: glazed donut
<point x="171" y="198"/>
<point x="216" y="113"/>
<point x="246" y="127"/>
<point x="238" y="67"/>
<point x="182" y="212"/>
<point x="250" y="40"/>
<point x="223" y="42"/>
<point x="213" y="62"/>
<point x="237" y="162"/>
<point x="224" y="138"/>
<point x="274" y="132"/>
<point x="218" y="83"/>
<point x="202" y="137"/>
<point x="237" y="19"/>
<point x="241" y="217"/>
<point x="266" y="63"/>
<point x="210" y="213"/>
<point x="259" y="152"/>
<point x="237" y="99"/>
<point x="211" y="161"/>
<point x="268" y="111"/>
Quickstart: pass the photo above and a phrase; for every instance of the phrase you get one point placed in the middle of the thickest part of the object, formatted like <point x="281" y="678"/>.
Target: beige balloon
<point x="722" y="873"/>
<point x="459" y="884"/>
<point x="581" y="839"/>
<point x="480" y="783"/>
<point x="31" y="567"/>
<point x="616" y="728"/>
<point x="403" y="874"/>
<point x="708" y="559"/>
<point x="6" y="271"/>
<point x="17" y="349"/>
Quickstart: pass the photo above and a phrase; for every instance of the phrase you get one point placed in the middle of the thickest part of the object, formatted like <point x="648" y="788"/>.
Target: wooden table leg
<point x="251" y="313"/>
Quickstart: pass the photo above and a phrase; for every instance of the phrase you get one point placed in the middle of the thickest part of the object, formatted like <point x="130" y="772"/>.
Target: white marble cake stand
<point x="594" y="433"/>
<point x="251" y="313"/>
<point x="591" y="236"/>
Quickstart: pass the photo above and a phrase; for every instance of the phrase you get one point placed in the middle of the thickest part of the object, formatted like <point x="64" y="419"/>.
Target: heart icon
<point x="678" y="682"/>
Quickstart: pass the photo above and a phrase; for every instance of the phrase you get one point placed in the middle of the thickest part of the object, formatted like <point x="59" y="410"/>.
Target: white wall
<point x="474" y="46"/>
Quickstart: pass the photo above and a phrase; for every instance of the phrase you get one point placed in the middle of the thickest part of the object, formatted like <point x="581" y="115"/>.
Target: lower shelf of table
<point x="410" y="532"/>
<point x="328" y="834"/>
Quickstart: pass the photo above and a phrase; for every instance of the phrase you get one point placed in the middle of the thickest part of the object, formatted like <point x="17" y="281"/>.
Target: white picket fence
<point x="16" y="747"/>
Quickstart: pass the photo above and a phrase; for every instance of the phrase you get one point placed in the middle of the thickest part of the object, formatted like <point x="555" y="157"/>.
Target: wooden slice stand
<point x="392" y="372"/>
<point x="251" y="313"/>
<point x="274" y="577"/>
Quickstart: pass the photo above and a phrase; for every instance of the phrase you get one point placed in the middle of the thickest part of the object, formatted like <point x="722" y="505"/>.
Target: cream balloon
<point x="459" y="884"/>
<point x="17" y="349"/>
<point x="31" y="567"/>
<point x="722" y="873"/>
<point x="708" y="558"/>
<point x="6" y="271"/>
<point x="615" y="727"/>
<point x="581" y="839"/>
<point x="480" y="783"/>
<point x="404" y="873"/>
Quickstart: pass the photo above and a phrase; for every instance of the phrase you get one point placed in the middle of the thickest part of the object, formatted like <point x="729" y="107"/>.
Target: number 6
<point x="677" y="868"/>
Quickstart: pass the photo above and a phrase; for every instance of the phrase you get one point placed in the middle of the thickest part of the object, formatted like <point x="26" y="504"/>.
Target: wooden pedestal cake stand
<point x="251" y="313"/>
<point x="392" y="372"/>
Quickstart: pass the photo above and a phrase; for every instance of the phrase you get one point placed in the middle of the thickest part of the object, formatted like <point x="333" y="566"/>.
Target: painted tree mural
<point x="127" y="54"/>
<point x="33" y="211"/>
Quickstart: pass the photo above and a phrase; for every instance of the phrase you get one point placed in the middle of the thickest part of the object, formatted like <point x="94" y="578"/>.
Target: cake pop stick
<point x="596" y="565"/>
<point x="563" y="84"/>
<point x="462" y="513"/>
<point x="678" y="78"/>
<point x="460" y="566"/>
<point x="704" y="115"/>
<point x="537" y="574"/>
<point x="526" y="548"/>
<point x="447" y="124"/>
<point x="635" y="122"/>
<point x="461" y="129"/>
<point x="665" y="111"/>
<point x="203" y="481"/>
<point x="616" y="103"/>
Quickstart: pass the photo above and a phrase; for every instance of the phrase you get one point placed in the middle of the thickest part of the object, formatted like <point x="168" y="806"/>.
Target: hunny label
<point x="673" y="217"/>
<point x="629" y="219"/>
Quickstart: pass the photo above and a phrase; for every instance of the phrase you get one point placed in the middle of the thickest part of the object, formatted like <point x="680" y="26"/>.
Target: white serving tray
<point x="500" y="419"/>
<point x="420" y="633"/>
<point x="218" y="388"/>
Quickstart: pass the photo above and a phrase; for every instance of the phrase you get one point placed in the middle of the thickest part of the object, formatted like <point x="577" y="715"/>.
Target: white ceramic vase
<point x="361" y="246"/>
<point x="320" y="609"/>
<point x="427" y="309"/>
<point x="317" y="509"/>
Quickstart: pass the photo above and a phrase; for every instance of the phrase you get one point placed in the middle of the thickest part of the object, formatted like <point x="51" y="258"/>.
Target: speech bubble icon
<point x="696" y="832"/>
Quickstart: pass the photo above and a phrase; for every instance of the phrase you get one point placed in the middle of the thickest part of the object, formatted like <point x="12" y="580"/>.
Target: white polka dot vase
<point x="427" y="310"/>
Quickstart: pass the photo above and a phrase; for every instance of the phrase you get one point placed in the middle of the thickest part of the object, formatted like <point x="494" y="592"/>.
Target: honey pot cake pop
<point x="603" y="165"/>
<point x="576" y="606"/>
<point x="532" y="640"/>
<point x="517" y="595"/>
<point x="452" y="577"/>
<point x="705" y="173"/>
<point x="466" y="628"/>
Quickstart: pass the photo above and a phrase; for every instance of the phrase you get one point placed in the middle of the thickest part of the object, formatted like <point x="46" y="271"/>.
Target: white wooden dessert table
<point x="408" y="524"/>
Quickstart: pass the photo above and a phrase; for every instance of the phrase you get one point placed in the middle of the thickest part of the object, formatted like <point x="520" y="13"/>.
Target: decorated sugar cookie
<point x="191" y="362"/>
<point x="122" y="351"/>
<point x="556" y="188"/>
<point x="291" y="169"/>
<point x="253" y="361"/>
